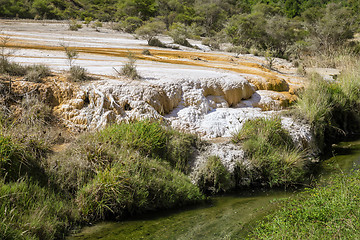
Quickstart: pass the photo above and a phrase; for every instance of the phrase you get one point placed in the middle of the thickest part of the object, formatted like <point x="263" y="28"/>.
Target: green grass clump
<point x="326" y="212"/>
<point x="271" y="151"/>
<point x="149" y="138"/>
<point x="153" y="140"/>
<point x="332" y="108"/>
<point x="29" y="211"/>
<point x="129" y="68"/>
<point x="78" y="74"/>
<point x="213" y="177"/>
<point x="132" y="185"/>
<point x="37" y="72"/>
<point x="12" y="68"/>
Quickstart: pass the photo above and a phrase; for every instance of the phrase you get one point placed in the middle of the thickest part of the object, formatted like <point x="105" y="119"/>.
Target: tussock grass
<point x="132" y="185"/>
<point x="271" y="151"/>
<point x="29" y="211"/>
<point x="332" y="108"/>
<point x="36" y="73"/>
<point x="32" y="73"/>
<point x="213" y="177"/>
<point x="129" y="68"/>
<point x="12" y="68"/>
<point x="78" y="74"/>
<point x="325" y="212"/>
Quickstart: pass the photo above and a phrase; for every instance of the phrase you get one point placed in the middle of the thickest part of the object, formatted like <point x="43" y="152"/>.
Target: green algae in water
<point x="226" y="217"/>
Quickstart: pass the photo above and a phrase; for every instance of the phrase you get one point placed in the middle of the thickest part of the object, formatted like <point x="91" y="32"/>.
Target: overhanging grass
<point x="133" y="185"/>
<point x="271" y="151"/>
<point x="332" y="108"/>
<point x="326" y="212"/>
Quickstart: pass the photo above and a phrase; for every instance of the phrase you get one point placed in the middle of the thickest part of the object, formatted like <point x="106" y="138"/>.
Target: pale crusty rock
<point x="110" y="100"/>
<point x="268" y="100"/>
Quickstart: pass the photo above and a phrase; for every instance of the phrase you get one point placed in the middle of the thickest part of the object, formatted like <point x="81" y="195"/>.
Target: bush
<point x="154" y="42"/>
<point x="213" y="177"/>
<point x="129" y="69"/>
<point x="178" y="33"/>
<point x="97" y="25"/>
<point x="36" y="73"/>
<point x="74" y="25"/>
<point x="150" y="30"/>
<point x="12" y="68"/>
<point x="213" y="43"/>
<point x="146" y="52"/>
<point x="238" y="50"/>
<point x="271" y="151"/>
<point x="130" y="24"/>
<point x="78" y="74"/>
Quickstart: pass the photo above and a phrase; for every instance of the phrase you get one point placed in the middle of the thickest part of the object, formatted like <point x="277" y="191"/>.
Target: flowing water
<point x="225" y="217"/>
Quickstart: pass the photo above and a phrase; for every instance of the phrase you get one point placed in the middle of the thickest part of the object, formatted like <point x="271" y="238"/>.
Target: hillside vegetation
<point x="281" y="28"/>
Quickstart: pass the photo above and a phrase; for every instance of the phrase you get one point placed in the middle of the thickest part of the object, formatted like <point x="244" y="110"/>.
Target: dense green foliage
<point x="209" y="13"/>
<point x="271" y="151"/>
<point x="325" y="212"/>
<point x="287" y="28"/>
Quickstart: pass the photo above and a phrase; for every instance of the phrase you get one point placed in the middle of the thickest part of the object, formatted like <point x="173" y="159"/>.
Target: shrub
<point x="213" y="43"/>
<point x="213" y="177"/>
<point x="146" y="52"/>
<point x="71" y="53"/>
<point x="97" y="25"/>
<point x="88" y="20"/>
<point x="130" y="24"/>
<point x="74" y="25"/>
<point x="12" y="68"/>
<point x="178" y="33"/>
<point x="36" y="73"/>
<point x="150" y="30"/>
<point x="154" y="42"/>
<point x="78" y="74"/>
<point x="238" y="50"/>
<point x="271" y="151"/>
<point x="129" y="68"/>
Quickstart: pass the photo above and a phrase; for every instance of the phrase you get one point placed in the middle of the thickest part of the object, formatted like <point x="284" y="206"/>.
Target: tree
<point x="144" y="9"/>
<point x="150" y="30"/>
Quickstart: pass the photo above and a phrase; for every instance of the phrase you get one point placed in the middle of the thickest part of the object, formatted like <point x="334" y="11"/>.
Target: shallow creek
<point x="225" y="217"/>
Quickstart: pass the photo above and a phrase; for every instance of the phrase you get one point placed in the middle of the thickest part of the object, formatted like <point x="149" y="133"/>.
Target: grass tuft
<point x="213" y="177"/>
<point x="271" y="151"/>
